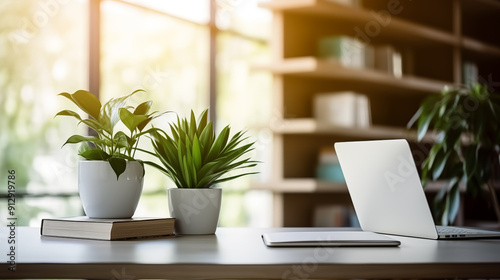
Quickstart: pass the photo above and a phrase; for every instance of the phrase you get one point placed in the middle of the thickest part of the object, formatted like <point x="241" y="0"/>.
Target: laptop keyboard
<point x="458" y="232"/>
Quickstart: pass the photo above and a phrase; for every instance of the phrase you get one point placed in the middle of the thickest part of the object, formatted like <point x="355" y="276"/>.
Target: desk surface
<point x="240" y="253"/>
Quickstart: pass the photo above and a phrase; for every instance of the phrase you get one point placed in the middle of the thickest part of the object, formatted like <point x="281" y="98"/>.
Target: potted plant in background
<point x="196" y="160"/>
<point x="110" y="180"/>
<point x="467" y="148"/>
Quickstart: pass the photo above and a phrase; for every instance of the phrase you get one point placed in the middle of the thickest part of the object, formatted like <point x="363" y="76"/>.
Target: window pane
<point x="166" y="57"/>
<point x="244" y="17"/>
<point x="193" y="10"/>
<point x="43" y="52"/>
<point x="244" y="102"/>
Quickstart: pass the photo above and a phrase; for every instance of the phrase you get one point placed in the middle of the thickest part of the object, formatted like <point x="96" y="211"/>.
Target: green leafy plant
<point x="193" y="157"/>
<point x="110" y="145"/>
<point x="467" y="148"/>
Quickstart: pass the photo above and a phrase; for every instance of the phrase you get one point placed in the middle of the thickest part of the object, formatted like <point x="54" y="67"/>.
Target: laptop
<point x="327" y="239"/>
<point x="387" y="193"/>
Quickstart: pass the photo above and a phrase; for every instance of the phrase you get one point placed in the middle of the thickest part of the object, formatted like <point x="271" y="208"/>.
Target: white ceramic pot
<point x="103" y="196"/>
<point x="196" y="211"/>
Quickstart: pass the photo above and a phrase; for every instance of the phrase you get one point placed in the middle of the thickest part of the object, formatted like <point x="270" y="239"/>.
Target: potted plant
<point x="195" y="159"/>
<point x="110" y="179"/>
<point x="468" y="146"/>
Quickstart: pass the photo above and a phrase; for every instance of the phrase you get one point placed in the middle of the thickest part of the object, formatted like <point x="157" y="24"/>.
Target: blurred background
<point x="186" y="55"/>
<point x="318" y="72"/>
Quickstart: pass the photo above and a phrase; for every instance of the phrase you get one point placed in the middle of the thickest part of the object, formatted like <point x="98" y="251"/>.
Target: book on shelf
<point x="470" y="73"/>
<point x="347" y="51"/>
<point x="388" y="60"/>
<point x="107" y="229"/>
<point x="347" y="109"/>
<point x="328" y="167"/>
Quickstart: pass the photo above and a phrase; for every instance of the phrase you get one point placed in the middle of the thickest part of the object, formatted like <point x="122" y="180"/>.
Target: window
<point x="43" y="53"/>
<point x="161" y="47"/>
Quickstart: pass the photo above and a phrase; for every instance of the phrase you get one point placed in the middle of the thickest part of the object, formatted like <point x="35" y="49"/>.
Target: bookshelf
<point x="434" y="38"/>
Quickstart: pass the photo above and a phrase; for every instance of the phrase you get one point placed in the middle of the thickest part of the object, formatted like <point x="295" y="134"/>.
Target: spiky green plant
<point x="193" y="157"/>
<point x="109" y="144"/>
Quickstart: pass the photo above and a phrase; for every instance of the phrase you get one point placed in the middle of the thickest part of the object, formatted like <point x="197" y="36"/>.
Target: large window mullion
<point x="212" y="62"/>
<point x="94" y="46"/>
<point x="94" y="70"/>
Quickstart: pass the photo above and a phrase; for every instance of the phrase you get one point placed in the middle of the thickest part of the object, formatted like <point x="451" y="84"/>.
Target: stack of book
<point x="346" y="51"/>
<point x="470" y="73"/>
<point x="328" y="168"/>
<point x="348" y="109"/>
<point x="108" y="229"/>
<point x="388" y="60"/>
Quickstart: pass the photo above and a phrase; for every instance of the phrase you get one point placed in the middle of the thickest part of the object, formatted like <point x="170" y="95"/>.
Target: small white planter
<point x="196" y="211"/>
<point x="103" y="196"/>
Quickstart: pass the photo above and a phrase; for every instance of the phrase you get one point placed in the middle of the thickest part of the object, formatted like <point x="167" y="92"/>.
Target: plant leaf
<point x="233" y="177"/>
<point x="186" y="172"/>
<point x="439" y="205"/>
<point x="93" y="124"/>
<point x="130" y="120"/>
<point x="118" y="164"/>
<point x="110" y="114"/>
<point x="219" y="144"/>
<point x="86" y="101"/>
<point x="78" y="139"/>
<point x="196" y="153"/>
<point x="425" y="115"/>
<point x="94" y="154"/>
<point x="454" y="204"/>
<point x="203" y="122"/>
<point x="69" y="113"/>
<point x="143" y="124"/>
<point x="122" y="140"/>
<point x="414" y="118"/>
<point x="439" y="164"/>
<point x="206" y="140"/>
<point x="143" y="108"/>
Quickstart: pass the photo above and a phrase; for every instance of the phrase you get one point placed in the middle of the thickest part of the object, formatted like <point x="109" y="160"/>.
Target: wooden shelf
<point x="434" y="39"/>
<point x="489" y="4"/>
<point x="311" y="185"/>
<point x="329" y="69"/>
<point x="480" y="47"/>
<point x="398" y="28"/>
<point x="310" y="126"/>
<point x="303" y="185"/>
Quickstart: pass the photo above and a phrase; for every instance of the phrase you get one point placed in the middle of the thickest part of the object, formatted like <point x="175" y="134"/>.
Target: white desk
<point x="240" y="253"/>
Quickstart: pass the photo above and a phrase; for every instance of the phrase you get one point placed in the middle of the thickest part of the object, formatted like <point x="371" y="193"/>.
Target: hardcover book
<point x="107" y="229"/>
